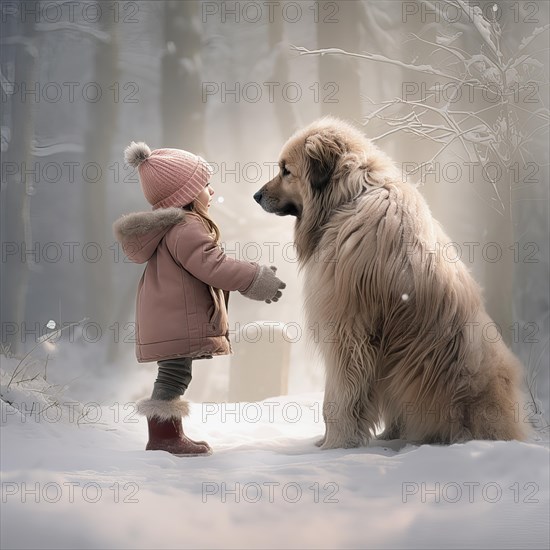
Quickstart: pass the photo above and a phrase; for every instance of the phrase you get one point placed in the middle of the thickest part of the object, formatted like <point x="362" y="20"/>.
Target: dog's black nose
<point x="258" y="197"/>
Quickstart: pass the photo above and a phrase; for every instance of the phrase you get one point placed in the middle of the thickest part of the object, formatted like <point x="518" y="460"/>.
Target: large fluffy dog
<point x="399" y="326"/>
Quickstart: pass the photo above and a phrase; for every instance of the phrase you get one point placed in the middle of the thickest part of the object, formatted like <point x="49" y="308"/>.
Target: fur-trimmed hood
<point x="140" y="233"/>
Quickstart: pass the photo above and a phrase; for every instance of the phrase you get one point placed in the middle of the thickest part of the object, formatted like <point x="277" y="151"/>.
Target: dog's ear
<point x="322" y="153"/>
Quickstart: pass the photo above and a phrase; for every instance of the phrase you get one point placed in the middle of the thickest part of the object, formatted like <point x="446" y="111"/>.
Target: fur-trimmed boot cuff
<point x="163" y="410"/>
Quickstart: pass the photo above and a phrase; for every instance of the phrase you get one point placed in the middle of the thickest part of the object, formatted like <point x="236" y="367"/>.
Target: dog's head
<point x="321" y="167"/>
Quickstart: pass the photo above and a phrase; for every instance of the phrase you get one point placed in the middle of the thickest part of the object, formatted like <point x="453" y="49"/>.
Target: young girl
<point x="181" y="307"/>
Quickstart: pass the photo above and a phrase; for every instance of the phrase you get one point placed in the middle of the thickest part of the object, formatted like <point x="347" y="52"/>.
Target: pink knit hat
<point x="169" y="177"/>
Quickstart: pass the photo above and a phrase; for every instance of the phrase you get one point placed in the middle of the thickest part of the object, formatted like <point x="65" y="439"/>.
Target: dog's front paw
<point x="392" y="431"/>
<point x="339" y="443"/>
<point x="387" y="435"/>
<point x="320" y="442"/>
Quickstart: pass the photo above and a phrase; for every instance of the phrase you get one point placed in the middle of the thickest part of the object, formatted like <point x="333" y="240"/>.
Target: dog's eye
<point x="284" y="171"/>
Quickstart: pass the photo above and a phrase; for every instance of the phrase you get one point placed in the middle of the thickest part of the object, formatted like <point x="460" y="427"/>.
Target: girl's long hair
<point x="201" y="212"/>
<point x="197" y="209"/>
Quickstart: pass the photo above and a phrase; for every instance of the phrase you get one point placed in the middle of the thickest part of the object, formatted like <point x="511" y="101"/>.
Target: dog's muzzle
<point x="271" y="205"/>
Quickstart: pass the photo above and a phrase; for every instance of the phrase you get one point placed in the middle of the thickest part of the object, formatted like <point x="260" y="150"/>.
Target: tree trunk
<point x="181" y="101"/>
<point x="98" y="149"/>
<point x="17" y="134"/>
<point x="339" y="82"/>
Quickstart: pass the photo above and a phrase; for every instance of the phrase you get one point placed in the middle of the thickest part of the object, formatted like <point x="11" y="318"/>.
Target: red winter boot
<point x="166" y="428"/>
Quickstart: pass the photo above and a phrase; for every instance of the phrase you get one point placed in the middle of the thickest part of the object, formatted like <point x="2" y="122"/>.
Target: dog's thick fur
<point x="400" y="328"/>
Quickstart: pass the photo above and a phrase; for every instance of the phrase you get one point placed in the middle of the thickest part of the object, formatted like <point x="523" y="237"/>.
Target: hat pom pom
<point x="136" y="153"/>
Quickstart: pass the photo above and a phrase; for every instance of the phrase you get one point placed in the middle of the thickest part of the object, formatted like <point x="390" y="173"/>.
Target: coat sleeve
<point x="197" y="252"/>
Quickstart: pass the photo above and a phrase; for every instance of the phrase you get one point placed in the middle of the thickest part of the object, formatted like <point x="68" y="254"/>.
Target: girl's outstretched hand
<point x="266" y="286"/>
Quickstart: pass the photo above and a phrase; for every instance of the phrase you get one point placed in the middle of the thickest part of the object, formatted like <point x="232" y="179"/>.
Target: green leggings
<point x="173" y="378"/>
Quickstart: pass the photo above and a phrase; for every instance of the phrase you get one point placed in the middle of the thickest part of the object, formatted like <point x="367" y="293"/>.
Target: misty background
<point x="231" y="81"/>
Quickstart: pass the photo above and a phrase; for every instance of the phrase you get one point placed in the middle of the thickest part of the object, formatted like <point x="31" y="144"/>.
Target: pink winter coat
<point x="176" y="311"/>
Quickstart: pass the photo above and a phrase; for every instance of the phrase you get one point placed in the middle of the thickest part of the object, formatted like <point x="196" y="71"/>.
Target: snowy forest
<point x="455" y="91"/>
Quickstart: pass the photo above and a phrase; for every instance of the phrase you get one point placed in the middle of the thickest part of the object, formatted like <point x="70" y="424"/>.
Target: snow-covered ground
<point x="75" y="475"/>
